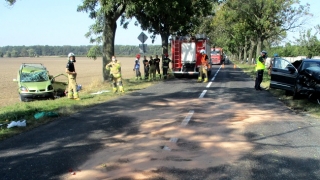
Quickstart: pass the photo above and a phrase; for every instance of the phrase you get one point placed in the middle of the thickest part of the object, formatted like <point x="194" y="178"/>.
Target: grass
<point x="302" y="105"/>
<point x="61" y="106"/>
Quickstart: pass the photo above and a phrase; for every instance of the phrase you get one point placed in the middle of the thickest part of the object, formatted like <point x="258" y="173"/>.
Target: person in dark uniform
<point x="157" y="60"/>
<point x="165" y="66"/>
<point x="152" y="70"/>
<point x="146" y="67"/>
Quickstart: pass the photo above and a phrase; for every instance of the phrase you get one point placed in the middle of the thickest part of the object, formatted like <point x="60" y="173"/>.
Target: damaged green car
<point x="34" y="82"/>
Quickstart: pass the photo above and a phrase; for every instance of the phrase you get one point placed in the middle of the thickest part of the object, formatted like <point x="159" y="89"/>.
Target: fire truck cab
<point x="186" y="57"/>
<point x="217" y="56"/>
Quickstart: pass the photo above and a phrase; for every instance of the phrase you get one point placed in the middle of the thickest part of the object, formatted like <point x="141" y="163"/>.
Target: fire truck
<point x="186" y="57"/>
<point x="217" y="55"/>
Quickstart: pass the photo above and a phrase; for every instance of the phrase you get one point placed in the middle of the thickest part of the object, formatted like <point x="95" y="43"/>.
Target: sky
<point x="57" y="23"/>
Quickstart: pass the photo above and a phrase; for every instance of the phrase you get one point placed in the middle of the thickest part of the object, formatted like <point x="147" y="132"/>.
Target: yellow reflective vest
<point x="260" y="65"/>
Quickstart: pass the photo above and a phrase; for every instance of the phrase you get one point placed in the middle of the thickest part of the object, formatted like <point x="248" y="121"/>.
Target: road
<point x="174" y="130"/>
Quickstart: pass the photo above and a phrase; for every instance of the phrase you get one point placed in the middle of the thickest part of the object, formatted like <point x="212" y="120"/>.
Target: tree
<point x="310" y="42"/>
<point x="106" y="13"/>
<point x="163" y="17"/>
<point x="262" y="19"/>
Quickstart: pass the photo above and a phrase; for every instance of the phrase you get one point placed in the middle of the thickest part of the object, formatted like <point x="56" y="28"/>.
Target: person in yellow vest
<point x="203" y="69"/>
<point x="260" y="66"/>
<point x="115" y="74"/>
<point x="72" y="76"/>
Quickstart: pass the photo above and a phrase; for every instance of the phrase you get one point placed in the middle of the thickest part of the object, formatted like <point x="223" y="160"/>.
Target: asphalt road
<point x="178" y="129"/>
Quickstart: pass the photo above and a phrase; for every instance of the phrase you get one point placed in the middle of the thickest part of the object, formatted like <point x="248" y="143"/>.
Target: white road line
<point x="202" y="94"/>
<point x="216" y="73"/>
<point x="209" y="84"/>
<point x="174" y="140"/>
<point x="187" y="118"/>
<point x="183" y="123"/>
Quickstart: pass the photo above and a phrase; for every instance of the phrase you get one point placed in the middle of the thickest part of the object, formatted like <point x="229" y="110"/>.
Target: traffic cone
<point x="234" y="66"/>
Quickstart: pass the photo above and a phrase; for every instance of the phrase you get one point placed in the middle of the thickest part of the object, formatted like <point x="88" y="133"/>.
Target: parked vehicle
<point x="300" y="77"/>
<point x="34" y="82"/>
<point x="217" y="55"/>
<point x="186" y="57"/>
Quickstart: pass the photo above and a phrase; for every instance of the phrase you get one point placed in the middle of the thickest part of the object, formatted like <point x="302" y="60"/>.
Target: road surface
<point x="174" y="130"/>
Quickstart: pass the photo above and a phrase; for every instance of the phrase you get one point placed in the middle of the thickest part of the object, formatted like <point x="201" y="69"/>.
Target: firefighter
<point x="152" y="70"/>
<point x="72" y="76"/>
<point x="203" y="67"/>
<point x="136" y="67"/>
<point x="115" y="74"/>
<point x="260" y="66"/>
<point x="165" y="66"/>
<point x="157" y="60"/>
<point x="146" y="67"/>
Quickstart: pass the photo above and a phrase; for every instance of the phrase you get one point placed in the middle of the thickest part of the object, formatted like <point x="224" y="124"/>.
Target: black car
<point x="300" y="77"/>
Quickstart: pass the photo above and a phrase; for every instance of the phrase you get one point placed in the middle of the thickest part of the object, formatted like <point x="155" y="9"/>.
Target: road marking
<point x="209" y="84"/>
<point x="216" y="74"/>
<point x="183" y="123"/>
<point x="187" y="118"/>
<point x="202" y="94"/>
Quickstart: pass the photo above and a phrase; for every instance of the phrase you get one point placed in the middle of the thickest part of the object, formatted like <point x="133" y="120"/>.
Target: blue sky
<point x="56" y="22"/>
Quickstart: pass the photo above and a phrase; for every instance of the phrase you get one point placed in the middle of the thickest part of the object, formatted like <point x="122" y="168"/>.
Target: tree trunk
<point x="164" y="43"/>
<point x="245" y="49"/>
<point x="109" y="33"/>
<point x="259" y="46"/>
<point x="240" y="53"/>
<point x="251" y="50"/>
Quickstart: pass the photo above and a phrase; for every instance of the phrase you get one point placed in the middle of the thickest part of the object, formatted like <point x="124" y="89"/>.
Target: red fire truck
<point x="186" y="57"/>
<point x="217" y="55"/>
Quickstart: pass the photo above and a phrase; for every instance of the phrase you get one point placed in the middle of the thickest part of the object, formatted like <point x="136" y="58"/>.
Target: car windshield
<point x="215" y="52"/>
<point x="36" y="76"/>
<point x="311" y="64"/>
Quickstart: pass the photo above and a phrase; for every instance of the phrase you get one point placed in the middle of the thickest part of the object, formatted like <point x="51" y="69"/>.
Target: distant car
<point x="34" y="82"/>
<point x="300" y="78"/>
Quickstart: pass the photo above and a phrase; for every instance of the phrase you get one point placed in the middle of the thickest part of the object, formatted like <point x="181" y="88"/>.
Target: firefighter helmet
<point x="138" y="56"/>
<point x="202" y="51"/>
<point x="71" y="54"/>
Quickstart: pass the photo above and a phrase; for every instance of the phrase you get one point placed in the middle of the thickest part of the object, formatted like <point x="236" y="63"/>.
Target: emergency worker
<point x="165" y="66"/>
<point x="272" y="61"/>
<point x="136" y="67"/>
<point x="260" y="66"/>
<point x="203" y="69"/>
<point x="72" y="76"/>
<point x="157" y="60"/>
<point x="146" y="67"/>
<point x="115" y="74"/>
<point x="152" y="70"/>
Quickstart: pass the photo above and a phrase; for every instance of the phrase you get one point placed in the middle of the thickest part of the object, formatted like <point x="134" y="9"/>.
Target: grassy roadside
<point x="302" y="105"/>
<point x="62" y="106"/>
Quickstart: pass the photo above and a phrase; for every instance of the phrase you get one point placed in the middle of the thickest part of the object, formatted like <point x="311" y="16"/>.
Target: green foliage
<point x="309" y="42"/>
<point x="239" y="22"/>
<point x="89" y="51"/>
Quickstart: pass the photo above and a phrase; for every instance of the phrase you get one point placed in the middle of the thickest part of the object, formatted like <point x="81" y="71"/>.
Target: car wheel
<point x="296" y="94"/>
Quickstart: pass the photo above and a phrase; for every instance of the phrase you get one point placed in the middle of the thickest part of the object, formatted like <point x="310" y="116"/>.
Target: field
<point x="88" y="71"/>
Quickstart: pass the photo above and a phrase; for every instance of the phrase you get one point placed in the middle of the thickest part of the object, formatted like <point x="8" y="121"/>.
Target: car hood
<point x="36" y="85"/>
<point x="314" y="72"/>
